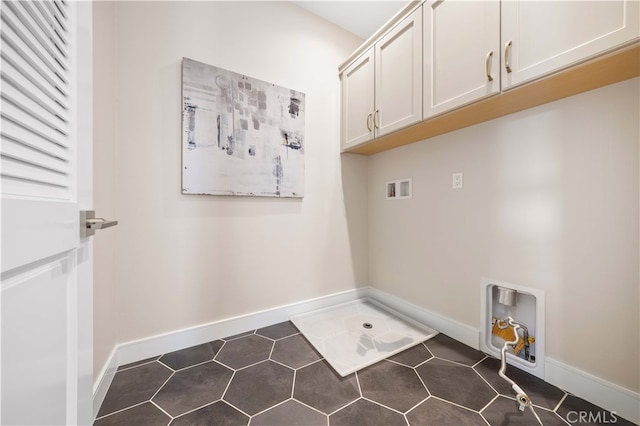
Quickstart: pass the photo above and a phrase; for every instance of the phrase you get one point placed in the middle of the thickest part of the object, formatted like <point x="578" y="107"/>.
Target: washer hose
<point x="523" y="399"/>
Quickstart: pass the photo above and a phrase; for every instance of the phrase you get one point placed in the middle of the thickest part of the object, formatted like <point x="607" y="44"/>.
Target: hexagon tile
<point x="273" y="376"/>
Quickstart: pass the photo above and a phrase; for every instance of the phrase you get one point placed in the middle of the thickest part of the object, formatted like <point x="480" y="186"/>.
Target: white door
<point x="46" y="168"/>
<point x="461" y="53"/>
<point x="357" y="101"/>
<point x="539" y="37"/>
<point x="398" y="76"/>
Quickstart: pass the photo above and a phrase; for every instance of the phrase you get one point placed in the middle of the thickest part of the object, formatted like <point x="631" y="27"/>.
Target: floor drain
<point x="367" y="325"/>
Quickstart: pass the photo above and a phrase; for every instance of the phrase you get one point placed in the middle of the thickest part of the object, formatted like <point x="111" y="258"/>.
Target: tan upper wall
<point x="189" y="260"/>
<point x="550" y="201"/>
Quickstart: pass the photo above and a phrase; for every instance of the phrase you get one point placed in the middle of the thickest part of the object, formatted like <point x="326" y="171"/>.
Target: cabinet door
<point x="540" y="37"/>
<point x="357" y="101"/>
<point x="461" y="53"/>
<point x="398" y="87"/>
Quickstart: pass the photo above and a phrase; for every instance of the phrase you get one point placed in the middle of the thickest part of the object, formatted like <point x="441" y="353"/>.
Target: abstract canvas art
<point x="240" y="135"/>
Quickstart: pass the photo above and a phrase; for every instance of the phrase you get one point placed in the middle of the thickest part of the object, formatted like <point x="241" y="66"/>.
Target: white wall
<point x="104" y="191"/>
<point x="189" y="260"/>
<point x="550" y="201"/>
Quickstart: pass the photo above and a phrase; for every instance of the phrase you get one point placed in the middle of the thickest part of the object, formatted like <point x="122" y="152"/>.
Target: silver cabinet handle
<point x="89" y="223"/>
<point x="376" y="115"/>
<point x="507" y="54"/>
<point x="369" y="121"/>
<point x="488" y="65"/>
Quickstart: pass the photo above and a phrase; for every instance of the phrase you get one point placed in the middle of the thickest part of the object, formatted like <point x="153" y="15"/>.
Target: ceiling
<point x="362" y="18"/>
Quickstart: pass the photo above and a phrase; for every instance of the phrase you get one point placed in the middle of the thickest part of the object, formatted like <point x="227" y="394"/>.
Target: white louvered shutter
<point x="38" y="127"/>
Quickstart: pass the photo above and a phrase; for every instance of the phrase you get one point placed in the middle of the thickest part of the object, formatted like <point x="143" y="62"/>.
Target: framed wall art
<point x="240" y="135"/>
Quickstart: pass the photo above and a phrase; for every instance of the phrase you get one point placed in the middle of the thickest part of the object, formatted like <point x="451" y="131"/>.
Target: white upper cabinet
<point x="398" y="76"/>
<point x="441" y="65"/>
<point x="540" y="37"/>
<point x="357" y="101"/>
<point x="382" y="88"/>
<point x="461" y="53"/>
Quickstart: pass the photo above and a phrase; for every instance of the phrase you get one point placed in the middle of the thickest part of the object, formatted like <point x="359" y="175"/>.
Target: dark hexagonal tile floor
<point x="456" y="383"/>
<point x="392" y="385"/>
<point x="218" y="413"/>
<point x="242" y="352"/>
<point x="134" y="386"/>
<point x="294" y="351"/>
<point x="191" y="356"/>
<point x="438" y="412"/>
<point x="272" y="376"/>
<point x="443" y="346"/>
<point x="363" y="412"/>
<point x="146" y="413"/>
<point x="412" y="357"/>
<point x="318" y="386"/>
<point x="290" y="413"/>
<point x="261" y="386"/>
<point x="193" y="387"/>
<point x="278" y="331"/>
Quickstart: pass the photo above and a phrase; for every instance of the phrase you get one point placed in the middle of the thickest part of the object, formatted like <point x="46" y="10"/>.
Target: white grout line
<point x="270" y="407"/>
<point x="308" y="406"/>
<point x="486" y="381"/>
<point x="120" y="369"/>
<point x="358" y="383"/>
<point x="273" y="346"/>
<point x="485" y="420"/>
<point x="161" y="409"/>
<point x="485" y="357"/>
<point x="397" y="362"/>
<point x="561" y="401"/>
<point x="242" y="411"/>
<point x="293" y="385"/>
<point x="250" y="365"/>
<point x="382" y="405"/>
<point x="424" y="362"/>
<point x="344" y="406"/>
<point x="121" y="410"/>
<point x="224" y="393"/>
<point x="416" y="406"/>
<point x="279" y="338"/>
<point x="160" y="388"/>
<point x="421" y="381"/>
<point x="248" y="333"/>
<point x="453" y="362"/>
<point x="311" y="362"/>
<point x="462" y="406"/>
<point x="192" y="410"/>
<point x="162" y="363"/>
<point x="279" y="363"/>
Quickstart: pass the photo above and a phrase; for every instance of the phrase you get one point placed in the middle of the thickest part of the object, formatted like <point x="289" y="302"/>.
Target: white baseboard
<point x="104" y="381"/>
<point x="624" y="402"/>
<point x="151" y="346"/>
<point x="580" y="383"/>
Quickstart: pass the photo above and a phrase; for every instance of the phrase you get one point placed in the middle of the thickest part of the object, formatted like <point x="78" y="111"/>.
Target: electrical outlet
<point x="457" y="180"/>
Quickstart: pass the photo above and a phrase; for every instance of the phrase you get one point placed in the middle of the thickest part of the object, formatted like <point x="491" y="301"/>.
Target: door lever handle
<point x="89" y="223"/>
<point x="100" y="223"/>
